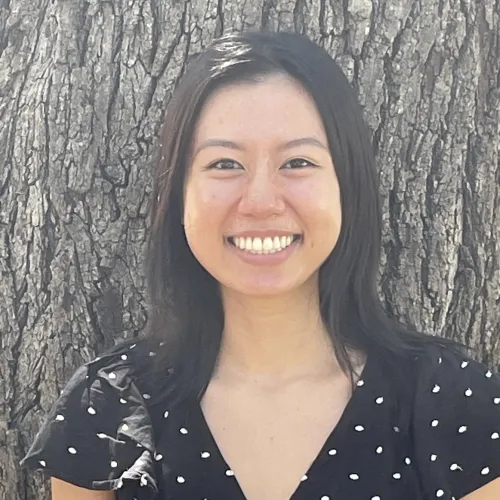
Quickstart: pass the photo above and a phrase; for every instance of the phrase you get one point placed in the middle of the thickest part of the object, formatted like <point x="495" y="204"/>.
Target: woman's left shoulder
<point x="456" y="418"/>
<point x="447" y="375"/>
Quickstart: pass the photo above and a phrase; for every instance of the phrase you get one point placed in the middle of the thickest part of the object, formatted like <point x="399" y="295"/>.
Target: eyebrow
<point x="311" y="141"/>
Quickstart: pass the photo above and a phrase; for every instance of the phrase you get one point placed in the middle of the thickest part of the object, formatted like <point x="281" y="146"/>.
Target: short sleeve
<point x="456" y="424"/>
<point x="98" y="434"/>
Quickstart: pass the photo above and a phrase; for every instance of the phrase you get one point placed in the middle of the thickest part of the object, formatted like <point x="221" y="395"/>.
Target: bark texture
<point x="83" y="87"/>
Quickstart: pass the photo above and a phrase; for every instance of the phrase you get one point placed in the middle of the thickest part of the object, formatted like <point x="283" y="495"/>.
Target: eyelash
<point x="212" y="166"/>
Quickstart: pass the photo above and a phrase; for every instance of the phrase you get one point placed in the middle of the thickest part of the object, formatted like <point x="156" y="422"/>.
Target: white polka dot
<point x="91" y="410"/>
<point x="152" y="353"/>
<point x="325" y="497"/>
<point x="304" y="477"/>
<point x="112" y="375"/>
<point x="488" y="374"/>
<point x="462" y="429"/>
<point x="360" y="383"/>
<point x="114" y="463"/>
<point x="435" y="423"/>
<point x="59" y="418"/>
<point x="396" y="428"/>
<point x="144" y="480"/>
<point x="229" y="472"/>
<point x="359" y="428"/>
<point x="42" y="463"/>
<point x="468" y="392"/>
<point x="407" y="461"/>
<point x="354" y="477"/>
<point x="146" y="396"/>
<point x="332" y="452"/>
<point x="72" y="450"/>
<point x="455" y="467"/>
<point x="165" y="415"/>
<point x="436" y="389"/>
<point x="496" y="401"/>
<point x="101" y="435"/>
<point x="396" y="475"/>
<point x="433" y="457"/>
<point x="183" y="430"/>
<point x="439" y="493"/>
<point x="379" y="400"/>
<point x="158" y="457"/>
<point x="485" y="471"/>
<point x="124" y="427"/>
<point x="161" y="343"/>
<point x="376" y="497"/>
<point x="464" y="364"/>
<point x="123" y="401"/>
<point x="440" y="360"/>
<point x="379" y="450"/>
<point x="132" y="346"/>
<point x="180" y="479"/>
<point x="124" y="357"/>
<point x="495" y="435"/>
<point x="205" y="454"/>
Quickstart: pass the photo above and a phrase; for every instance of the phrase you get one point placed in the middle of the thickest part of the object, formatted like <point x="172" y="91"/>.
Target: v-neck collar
<point x="333" y="441"/>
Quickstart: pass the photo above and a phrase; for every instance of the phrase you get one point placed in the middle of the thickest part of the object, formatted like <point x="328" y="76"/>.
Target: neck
<point x="274" y="338"/>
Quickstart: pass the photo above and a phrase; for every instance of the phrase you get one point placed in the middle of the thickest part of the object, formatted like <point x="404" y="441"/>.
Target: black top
<point x="439" y="437"/>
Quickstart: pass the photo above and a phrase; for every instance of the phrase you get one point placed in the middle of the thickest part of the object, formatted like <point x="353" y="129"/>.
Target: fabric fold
<point x="99" y="434"/>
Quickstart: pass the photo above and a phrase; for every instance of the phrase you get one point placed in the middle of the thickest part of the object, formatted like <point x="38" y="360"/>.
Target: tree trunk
<point x="84" y="85"/>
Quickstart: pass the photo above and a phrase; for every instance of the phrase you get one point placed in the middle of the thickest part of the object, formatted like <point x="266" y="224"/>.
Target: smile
<point x="269" y="244"/>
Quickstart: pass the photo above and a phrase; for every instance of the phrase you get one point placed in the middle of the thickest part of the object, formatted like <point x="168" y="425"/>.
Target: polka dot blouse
<point x="423" y="428"/>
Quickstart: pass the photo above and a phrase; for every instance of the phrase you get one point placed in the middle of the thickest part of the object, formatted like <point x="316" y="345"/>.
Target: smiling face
<point x="262" y="205"/>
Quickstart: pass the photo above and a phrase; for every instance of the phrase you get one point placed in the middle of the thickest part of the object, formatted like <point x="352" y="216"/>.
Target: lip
<point x="264" y="259"/>
<point x="263" y="233"/>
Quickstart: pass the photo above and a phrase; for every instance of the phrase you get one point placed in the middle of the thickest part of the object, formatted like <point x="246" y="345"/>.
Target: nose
<point x="262" y="196"/>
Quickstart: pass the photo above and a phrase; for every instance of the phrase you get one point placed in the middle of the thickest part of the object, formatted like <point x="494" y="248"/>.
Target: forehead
<point x="275" y="107"/>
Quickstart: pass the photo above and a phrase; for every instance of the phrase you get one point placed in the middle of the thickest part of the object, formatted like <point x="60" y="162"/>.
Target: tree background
<point x="83" y="88"/>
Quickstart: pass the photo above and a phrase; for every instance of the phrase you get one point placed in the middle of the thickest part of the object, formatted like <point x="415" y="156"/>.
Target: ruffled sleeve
<point x="456" y="424"/>
<point x="98" y="434"/>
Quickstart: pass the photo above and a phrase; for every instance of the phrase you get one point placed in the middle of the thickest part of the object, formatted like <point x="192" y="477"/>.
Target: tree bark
<point x="84" y="86"/>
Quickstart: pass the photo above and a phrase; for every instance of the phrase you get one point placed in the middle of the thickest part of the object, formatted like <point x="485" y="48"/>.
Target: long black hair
<point x="186" y="316"/>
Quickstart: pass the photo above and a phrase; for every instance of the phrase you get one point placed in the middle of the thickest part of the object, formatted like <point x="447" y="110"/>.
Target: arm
<point x="61" y="490"/>
<point x="490" y="491"/>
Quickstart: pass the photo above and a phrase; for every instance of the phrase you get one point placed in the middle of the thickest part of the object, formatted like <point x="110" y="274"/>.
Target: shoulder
<point x="456" y="419"/>
<point x="99" y="431"/>
<point x="442" y="372"/>
<point x="128" y="366"/>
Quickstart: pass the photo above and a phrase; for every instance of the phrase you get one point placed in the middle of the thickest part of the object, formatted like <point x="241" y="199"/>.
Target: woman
<point x="270" y="370"/>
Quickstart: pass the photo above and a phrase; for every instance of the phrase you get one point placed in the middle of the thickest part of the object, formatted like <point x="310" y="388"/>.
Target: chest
<point x="270" y="439"/>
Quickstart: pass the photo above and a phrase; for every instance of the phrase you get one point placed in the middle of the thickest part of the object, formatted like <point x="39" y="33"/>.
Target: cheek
<point x="205" y="203"/>
<point x="318" y="201"/>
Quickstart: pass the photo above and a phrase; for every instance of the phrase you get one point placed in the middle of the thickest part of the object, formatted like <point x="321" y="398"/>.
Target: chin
<point x="266" y="286"/>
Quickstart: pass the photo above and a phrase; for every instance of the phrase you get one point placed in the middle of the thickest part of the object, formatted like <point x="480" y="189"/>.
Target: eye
<point x="298" y="163"/>
<point x="223" y="165"/>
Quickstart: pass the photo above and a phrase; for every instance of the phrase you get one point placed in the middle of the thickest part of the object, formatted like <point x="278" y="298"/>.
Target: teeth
<point x="263" y="245"/>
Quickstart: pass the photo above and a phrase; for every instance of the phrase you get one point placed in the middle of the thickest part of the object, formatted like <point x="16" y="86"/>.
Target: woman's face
<point x="262" y="205"/>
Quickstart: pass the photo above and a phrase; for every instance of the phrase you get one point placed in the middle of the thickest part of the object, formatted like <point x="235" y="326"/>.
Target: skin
<point x="61" y="490"/>
<point x="276" y="356"/>
<point x="273" y="330"/>
<point x="273" y="341"/>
